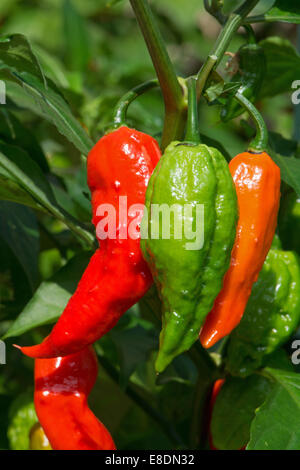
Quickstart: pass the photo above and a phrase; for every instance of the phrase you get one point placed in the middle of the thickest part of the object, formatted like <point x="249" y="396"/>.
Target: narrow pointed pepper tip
<point x="27" y="350"/>
<point x="207" y="339"/>
<point x="161" y="363"/>
<point x="43" y="350"/>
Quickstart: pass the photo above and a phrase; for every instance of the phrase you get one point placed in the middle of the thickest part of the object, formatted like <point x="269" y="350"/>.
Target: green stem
<point x="260" y="142"/>
<point x="233" y="22"/>
<point x="120" y="112"/>
<point x="215" y="9"/>
<point x="143" y="404"/>
<point x="208" y="373"/>
<point x="251" y="38"/>
<point x="269" y="19"/>
<point x="199" y="420"/>
<point x="192" y="131"/>
<point x="175" y="106"/>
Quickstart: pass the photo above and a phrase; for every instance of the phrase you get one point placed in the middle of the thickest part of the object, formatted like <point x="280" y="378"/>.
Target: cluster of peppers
<point x="205" y="292"/>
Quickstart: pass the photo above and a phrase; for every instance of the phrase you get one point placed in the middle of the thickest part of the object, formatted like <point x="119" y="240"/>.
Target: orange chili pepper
<point x="257" y="182"/>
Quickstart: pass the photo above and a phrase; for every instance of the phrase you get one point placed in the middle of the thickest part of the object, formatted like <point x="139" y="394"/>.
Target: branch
<point x="234" y="21"/>
<point x="173" y="95"/>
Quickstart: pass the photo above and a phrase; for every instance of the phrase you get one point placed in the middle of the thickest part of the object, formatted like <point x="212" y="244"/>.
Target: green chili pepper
<point x="189" y="262"/>
<point x="252" y="66"/>
<point x="188" y="280"/>
<point x="271" y="316"/>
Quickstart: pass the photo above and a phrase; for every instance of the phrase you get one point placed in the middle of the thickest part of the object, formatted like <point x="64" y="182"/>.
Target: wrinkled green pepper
<point x="252" y="66"/>
<point x="271" y="316"/>
<point x="189" y="275"/>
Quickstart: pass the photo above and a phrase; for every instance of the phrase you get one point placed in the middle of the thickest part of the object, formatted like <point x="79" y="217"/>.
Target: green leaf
<point x="290" y="170"/>
<point x="283" y="10"/>
<point x="16" y="56"/>
<point x="13" y="132"/>
<point x="76" y="37"/>
<point x="11" y="191"/>
<point x="134" y="346"/>
<point x="55" y="109"/>
<point x="78" y="190"/>
<point x="276" y="424"/>
<point x="281" y="145"/>
<point x="19" y="229"/>
<point x="23" y="418"/>
<point x="234" y="410"/>
<point x="283" y="65"/>
<point x="50" y="299"/>
<point x="25" y="172"/>
<point x="53" y="67"/>
<point x="279" y="359"/>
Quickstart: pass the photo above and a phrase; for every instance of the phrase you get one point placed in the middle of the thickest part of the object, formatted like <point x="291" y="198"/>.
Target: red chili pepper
<point x="117" y="277"/>
<point x="62" y="386"/>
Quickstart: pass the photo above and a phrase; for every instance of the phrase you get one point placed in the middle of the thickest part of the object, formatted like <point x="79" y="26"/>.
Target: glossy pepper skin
<point x="188" y="279"/>
<point x="257" y="182"/>
<point x="251" y="71"/>
<point x="271" y="316"/>
<point x="119" y="165"/>
<point x="62" y="386"/>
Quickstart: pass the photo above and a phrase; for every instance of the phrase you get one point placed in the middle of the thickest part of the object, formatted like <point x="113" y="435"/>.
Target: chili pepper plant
<point x="149" y="225"/>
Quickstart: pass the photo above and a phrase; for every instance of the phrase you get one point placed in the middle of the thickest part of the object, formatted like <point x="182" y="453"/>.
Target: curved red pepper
<point x="62" y="386"/>
<point x="120" y="164"/>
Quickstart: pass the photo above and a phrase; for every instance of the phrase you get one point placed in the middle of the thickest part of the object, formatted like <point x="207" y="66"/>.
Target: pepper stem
<point x="234" y="21"/>
<point x="120" y="111"/>
<point x="192" y="130"/>
<point x="251" y="38"/>
<point x="175" y="106"/>
<point x="260" y="142"/>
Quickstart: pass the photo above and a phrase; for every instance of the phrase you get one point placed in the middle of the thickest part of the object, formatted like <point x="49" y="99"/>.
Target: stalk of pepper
<point x="251" y="71"/>
<point x="62" y="387"/>
<point x="257" y="182"/>
<point x="119" y="168"/>
<point x="189" y="175"/>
